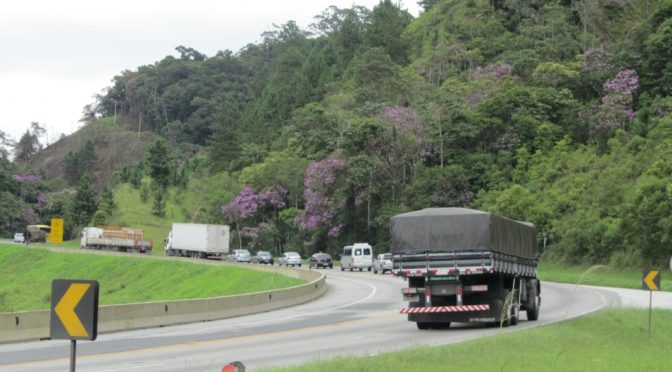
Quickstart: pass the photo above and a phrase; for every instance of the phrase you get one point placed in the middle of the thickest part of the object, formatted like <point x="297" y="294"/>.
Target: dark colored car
<point x="321" y="260"/>
<point x="263" y="257"/>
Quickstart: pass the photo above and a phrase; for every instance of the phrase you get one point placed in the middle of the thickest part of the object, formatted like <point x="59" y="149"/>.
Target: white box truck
<point x="198" y="240"/>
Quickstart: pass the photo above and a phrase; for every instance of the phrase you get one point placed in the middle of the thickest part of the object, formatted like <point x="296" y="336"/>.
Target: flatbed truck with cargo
<point x="114" y="238"/>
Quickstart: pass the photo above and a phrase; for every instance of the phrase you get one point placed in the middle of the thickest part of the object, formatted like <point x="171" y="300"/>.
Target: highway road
<point x="357" y="316"/>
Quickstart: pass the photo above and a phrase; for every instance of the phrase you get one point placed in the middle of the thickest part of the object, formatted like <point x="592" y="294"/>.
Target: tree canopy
<point x="542" y="111"/>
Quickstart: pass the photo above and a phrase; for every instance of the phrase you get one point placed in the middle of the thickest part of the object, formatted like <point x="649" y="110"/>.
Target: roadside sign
<point x="74" y="309"/>
<point x="56" y="235"/>
<point x="651" y="280"/>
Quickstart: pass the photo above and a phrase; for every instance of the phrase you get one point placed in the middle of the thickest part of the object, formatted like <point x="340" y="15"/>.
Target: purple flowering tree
<point x="249" y="211"/>
<point x="321" y="205"/>
<point x="616" y="110"/>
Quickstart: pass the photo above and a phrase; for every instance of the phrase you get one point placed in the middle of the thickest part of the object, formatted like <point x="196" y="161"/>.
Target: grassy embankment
<point x="614" y="340"/>
<point x="133" y="212"/>
<point x="600" y="275"/>
<point x="27" y="274"/>
<point x="182" y="205"/>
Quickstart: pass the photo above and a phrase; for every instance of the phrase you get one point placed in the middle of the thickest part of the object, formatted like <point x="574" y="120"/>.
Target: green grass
<point x="132" y="212"/>
<point x="27" y="274"/>
<point x="182" y="205"/>
<point x="614" y="340"/>
<point x="599" y="275"/>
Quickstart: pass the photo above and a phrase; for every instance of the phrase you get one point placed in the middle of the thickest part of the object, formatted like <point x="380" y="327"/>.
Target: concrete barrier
<point x="34" y="325"/>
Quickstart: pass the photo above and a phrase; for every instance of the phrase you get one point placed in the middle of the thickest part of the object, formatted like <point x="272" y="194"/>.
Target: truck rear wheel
<point x="422" y="325"/>
<point x="533" y="307"/>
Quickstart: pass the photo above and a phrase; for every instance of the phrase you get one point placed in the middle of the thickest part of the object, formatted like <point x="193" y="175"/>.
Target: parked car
<point x="239" y="255"/>
<point x="290" y="259"/>
<point x="263" y="257"/>
<point x="321" y="260"/>
<point x="18" y="238"/>
<point x="382" y="263"/>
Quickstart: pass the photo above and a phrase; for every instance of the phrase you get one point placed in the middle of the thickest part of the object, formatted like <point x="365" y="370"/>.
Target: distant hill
<point x="115" y="147"/>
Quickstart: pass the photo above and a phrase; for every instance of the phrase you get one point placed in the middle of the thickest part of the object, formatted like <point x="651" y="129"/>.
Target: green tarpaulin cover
<point x="461" y="229"/>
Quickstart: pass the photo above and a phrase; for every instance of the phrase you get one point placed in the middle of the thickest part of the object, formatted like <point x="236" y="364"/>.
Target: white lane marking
<point x="128" y="368"/>
<point x="374" y="290"/>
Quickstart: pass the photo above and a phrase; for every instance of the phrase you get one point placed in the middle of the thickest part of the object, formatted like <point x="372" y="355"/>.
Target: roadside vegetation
<point x="600" y="275"/>
<point x="27" y="274"/>
<point x="613" y="340"/>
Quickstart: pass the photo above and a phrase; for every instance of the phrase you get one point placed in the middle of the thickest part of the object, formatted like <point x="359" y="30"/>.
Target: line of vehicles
<point x="210" y="241"/>
<point x="33" y="234"/>
<point x="461" y="265"/>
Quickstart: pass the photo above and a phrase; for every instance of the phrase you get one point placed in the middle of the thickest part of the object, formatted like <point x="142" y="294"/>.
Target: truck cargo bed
<point x="462" y="263"/>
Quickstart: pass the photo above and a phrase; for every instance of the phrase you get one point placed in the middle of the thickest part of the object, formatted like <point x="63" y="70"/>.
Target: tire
<point x="422" y="325"/>
<point x="442" y="325"/>
<point x="369" y="268"/>
<point x="342" y="268"/>
<point x="514" y="316"/>
<point x="375" y="271"/>
<point x="533" y="309"/>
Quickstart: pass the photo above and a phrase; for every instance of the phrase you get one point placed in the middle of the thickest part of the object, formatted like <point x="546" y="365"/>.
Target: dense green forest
<point x="555" y="112"/>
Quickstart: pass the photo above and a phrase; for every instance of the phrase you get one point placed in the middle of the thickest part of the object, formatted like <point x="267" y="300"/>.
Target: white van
<point x="357" y="256"/>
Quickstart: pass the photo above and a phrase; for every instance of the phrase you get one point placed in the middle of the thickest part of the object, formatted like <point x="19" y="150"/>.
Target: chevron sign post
<point x="650" y="282"/>
<point x="74" y="312"/>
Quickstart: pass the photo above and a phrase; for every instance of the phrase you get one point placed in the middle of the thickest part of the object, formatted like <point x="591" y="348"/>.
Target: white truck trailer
<point x="112" y="238"/>
<point x="198" y="240"/>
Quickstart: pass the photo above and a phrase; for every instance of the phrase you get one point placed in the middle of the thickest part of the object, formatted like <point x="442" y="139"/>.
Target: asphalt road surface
<point x="357" y="316"/>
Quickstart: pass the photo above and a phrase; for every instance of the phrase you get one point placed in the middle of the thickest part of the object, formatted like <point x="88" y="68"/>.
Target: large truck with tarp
<point x="198" y="240"/>
<point x="114" y="238"/>
<point x="464" y="265"/>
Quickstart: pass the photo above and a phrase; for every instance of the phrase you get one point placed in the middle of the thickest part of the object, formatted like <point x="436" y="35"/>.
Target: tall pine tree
<point x="85" y="203"/>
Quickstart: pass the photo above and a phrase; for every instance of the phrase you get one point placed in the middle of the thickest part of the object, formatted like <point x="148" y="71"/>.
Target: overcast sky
<point x="56" y="55"/>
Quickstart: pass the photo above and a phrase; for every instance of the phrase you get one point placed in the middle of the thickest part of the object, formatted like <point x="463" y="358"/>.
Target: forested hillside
<point x="554" y="112"/>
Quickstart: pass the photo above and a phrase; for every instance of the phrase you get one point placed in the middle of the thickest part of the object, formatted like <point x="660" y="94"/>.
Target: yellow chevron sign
<point x="651" y="280"/>
<point x="74" y="305"/>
